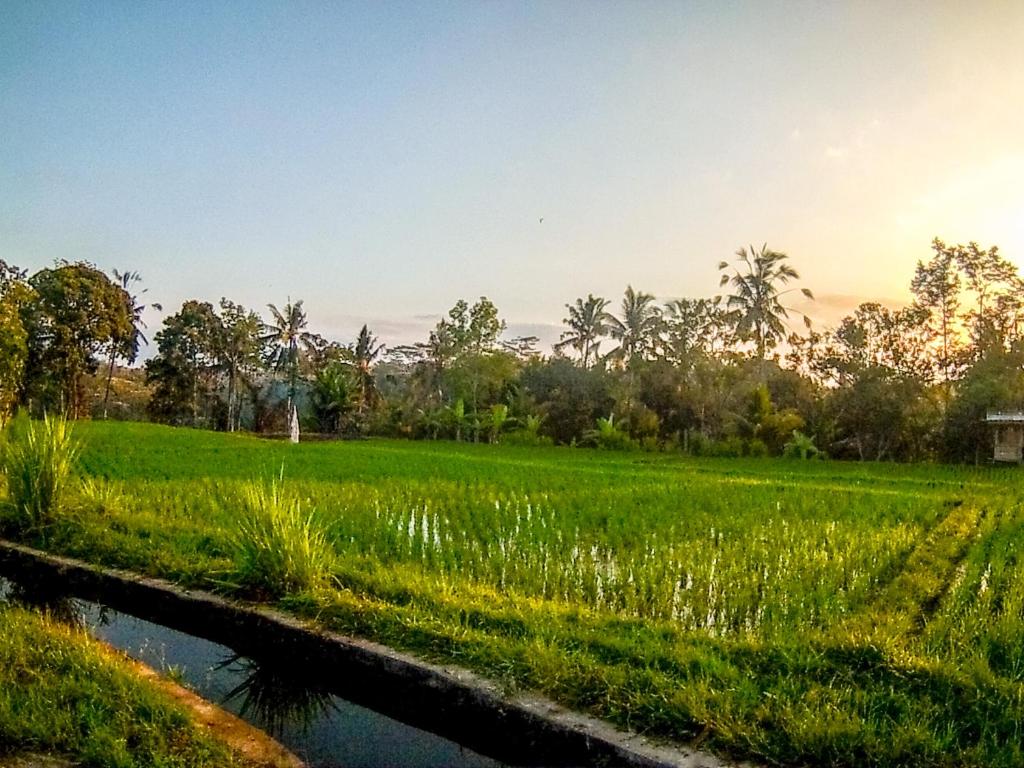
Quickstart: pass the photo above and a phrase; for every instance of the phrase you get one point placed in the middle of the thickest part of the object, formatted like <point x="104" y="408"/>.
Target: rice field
<point x="784" y="611"/>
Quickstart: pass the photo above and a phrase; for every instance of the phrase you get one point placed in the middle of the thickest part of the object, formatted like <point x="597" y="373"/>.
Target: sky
<point x="382" y="160"/>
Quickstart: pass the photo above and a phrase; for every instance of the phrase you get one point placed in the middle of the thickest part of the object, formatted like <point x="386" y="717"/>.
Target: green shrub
<point x="696" y="443"/>
<point x="529" y="433"/>
<point x="608" y="436"/>
<point x="650" y="444"/>
<point x="756" y="448"/>
<point x="523" y="437"/>
<point x="37" y="459"/>
<point x="800" y="446"/>
<point x="730" y="448"/>
<point x="279" y="549"/>
<point x="777" y="427"/>
<point x="641" y="422"/>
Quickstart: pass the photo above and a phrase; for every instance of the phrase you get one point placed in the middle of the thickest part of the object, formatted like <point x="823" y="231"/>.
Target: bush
<point x="696" y="443"/>
<point x="776" y="428"/>
<point x="650" y="444"/>
<point x="609" y="437"/>
<point x="279" y="550"/>
<point x="529" y="433"/>
<point x="801" y="446"/>
<point x="37" y="459"/>
<point x="641" y="422"/>
<point x="730" y="448"/>
<point x="756" y="448"/>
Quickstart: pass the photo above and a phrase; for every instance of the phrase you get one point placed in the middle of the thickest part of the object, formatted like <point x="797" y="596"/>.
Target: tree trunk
<point x="195" y="394"/>
<point x="110" y="376"/>
<point x="231" y="398"/>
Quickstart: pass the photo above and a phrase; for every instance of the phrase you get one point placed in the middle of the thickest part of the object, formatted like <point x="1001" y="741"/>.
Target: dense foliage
<point x="721" y="376"/>
<point x="55" y="325"/>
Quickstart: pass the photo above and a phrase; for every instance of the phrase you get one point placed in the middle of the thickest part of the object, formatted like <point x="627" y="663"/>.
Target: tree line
<point x="726" y="375"/>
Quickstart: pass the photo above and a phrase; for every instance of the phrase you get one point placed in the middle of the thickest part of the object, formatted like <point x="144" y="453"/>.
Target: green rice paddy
<point x="788" y="612"/>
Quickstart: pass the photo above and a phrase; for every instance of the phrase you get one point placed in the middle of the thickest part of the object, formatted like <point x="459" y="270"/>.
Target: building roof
<point x="1005" y="417"/>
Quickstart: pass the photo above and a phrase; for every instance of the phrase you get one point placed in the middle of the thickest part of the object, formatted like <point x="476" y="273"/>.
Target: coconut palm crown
<point x="364" y="355"/>
<point x="757" y="298"/>
<point x="639" y="329"/>
<point x="588" y="321"/>
<point x="286" y="333"/>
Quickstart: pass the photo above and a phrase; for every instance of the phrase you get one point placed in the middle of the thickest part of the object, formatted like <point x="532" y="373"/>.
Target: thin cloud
<point x="827" y="310"/>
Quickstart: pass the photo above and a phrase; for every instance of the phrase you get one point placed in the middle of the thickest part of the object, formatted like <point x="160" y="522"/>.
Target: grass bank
<point x="62" y="693"/>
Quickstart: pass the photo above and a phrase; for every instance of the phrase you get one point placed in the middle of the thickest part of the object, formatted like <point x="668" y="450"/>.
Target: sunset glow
<point x="383" y="161"/>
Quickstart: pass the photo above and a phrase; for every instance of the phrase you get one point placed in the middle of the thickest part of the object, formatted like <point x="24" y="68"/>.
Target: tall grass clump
<point x="37" y="459"/>
<point x="279" y="548"/>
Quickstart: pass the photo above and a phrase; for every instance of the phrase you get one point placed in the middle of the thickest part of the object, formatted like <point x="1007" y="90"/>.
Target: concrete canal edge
<point x="446" y="700"/>
<point x="34" y="760"/>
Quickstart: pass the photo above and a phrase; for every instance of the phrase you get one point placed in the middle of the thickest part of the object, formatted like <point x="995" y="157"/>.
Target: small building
<point x="1009" y="435"/>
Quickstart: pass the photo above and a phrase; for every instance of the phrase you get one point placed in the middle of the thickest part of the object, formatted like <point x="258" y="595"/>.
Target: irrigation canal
<point x="321" y="727"/>
<point x="332" y="700"/>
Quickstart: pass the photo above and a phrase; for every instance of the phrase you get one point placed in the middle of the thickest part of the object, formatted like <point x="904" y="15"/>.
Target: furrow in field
<point x="903" y="606"/>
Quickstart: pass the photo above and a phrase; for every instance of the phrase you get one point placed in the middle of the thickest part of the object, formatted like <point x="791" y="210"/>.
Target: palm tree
<point x="498" y="419"/>
<point x="757" y="298"/>
<point x="639" y="328"/>
<point x="287" y="333"/>
<point x="127" y="347"/>
<point x="364" y="355"/>
<point x="588" y="321"/>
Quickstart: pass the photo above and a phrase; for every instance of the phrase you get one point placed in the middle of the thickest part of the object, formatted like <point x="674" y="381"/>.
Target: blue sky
<point x="381" y="160"/>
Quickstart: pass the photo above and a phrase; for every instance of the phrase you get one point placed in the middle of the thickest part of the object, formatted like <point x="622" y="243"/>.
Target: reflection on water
<point x="323" y="729"/>
<point x="45" y="599"/>
<point x="276" y="697"/>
